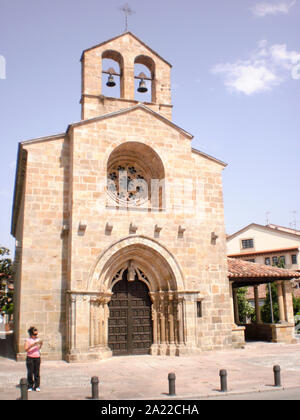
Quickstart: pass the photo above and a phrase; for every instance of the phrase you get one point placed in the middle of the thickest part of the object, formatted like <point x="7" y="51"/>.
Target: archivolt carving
<point x="149" y="256"/>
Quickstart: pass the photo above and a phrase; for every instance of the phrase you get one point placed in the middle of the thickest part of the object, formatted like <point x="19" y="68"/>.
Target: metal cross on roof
<point x="127" y="11"/>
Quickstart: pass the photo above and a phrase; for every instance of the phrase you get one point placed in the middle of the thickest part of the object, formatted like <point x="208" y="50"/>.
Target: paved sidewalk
<point x="145" y="377"/>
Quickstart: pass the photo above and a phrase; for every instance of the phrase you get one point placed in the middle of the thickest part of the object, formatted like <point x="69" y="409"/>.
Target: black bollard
<point x="24" y="389"/>
<point x="171" y="378"/>
<point x="223" y="380"/>
<point x="277" y="379"/>
<point x="95" y="388"/>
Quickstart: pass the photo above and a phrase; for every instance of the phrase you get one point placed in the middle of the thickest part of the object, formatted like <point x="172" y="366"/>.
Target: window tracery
<point x="135" y="177"/>
<point x="127" y="183"/>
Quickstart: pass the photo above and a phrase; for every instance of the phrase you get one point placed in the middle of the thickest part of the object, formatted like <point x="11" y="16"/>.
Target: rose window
<point x="126" y="183"/>
<point x="135" y="177"/>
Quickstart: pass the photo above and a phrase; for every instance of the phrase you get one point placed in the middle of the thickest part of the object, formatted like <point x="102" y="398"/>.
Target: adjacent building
<point x="268" y="245"/>
<point x="271" y="245"/>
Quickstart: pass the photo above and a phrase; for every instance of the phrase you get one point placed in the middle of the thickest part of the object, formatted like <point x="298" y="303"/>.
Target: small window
<point x="268" y="261"/>
<point x="251" y="260"/>
<point x="274" y="260"/>
<point x="199" y="309"/>
<point x="247" y="243"/>
<point x="282" y="259"/>
<point x="294" y="259"/>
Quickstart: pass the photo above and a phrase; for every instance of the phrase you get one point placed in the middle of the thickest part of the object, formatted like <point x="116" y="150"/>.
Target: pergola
<point x="243" y="273"/>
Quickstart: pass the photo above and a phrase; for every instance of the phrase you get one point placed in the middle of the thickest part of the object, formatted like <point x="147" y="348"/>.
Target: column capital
<point x="101" y="298"/>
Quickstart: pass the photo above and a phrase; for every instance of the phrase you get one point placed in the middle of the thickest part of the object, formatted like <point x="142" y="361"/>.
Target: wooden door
<point x="130" y="323"/>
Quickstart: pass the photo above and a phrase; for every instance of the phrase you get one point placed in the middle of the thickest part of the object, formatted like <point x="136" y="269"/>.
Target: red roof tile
<point x="245" y="270"/>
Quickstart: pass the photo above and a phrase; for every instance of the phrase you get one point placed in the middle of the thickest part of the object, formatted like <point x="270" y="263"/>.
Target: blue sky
<point x="235" y="79"/>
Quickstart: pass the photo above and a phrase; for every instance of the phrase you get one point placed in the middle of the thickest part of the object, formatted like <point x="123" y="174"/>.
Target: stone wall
<point x="125" y="49"/>
<point x="193" y="201"/>
<point x="42" y="268"/>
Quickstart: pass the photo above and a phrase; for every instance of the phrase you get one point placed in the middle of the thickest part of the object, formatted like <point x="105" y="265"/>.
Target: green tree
<point x="266" y="308"/>
<point x="280" y="263"/>
<point x="296" y="305"/>
<point x="6" y="271"/>
<point x="246" y="310"/>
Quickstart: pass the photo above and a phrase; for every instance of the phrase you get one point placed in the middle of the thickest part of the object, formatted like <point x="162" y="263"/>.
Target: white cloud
<point x="263" y="9"/>
<point x="266" y="68"/>
<point x="247" y="77"/>
<point x="282" y="56"/>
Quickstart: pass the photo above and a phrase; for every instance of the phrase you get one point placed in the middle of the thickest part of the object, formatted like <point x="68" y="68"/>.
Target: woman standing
<point x="33" y="361"/>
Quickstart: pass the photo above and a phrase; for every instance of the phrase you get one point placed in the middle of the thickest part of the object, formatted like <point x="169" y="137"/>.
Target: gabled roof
<point x="126" y="110"/>
<point x="284" y="229"/>
<point x="244" y="273"/>
<point x="22" y="153"/>
<point x="119" y="36"/>
<point x="198" y="152"/>
<point x="267" y="228"/>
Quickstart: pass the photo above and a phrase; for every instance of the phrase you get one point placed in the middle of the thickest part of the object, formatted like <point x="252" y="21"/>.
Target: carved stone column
<point x="155" y="323"/>
<point x="93" y="327"/>
<point x="180" y="321"/>
<point x="78" y="325"/>
<point x="168" y="323"/>
<point x="71" y="303"/>
<point x="162" y="324"/>
<point x="104" y="301"/>
<point x="99" y="314"/>
<point x="171" y="318"/>
<point x="171" y="326"/>
<point x="162" y="316"/>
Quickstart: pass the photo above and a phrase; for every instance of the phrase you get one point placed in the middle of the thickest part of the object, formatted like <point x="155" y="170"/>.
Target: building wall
<point x="129" y="48"/>
<point x="265" y="239"/>
<point x="53" y="261"/>
<point x="260" y="259"/>
<point x="67" y="209"/>
<point x="199" y="209"/>
<point x="41" y="271"/>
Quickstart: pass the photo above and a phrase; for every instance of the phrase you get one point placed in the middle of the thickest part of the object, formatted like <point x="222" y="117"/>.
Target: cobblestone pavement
<point x="145" y="377"/>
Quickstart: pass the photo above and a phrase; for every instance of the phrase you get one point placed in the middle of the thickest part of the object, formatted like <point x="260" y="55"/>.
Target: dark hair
<point x="31" y="330"/>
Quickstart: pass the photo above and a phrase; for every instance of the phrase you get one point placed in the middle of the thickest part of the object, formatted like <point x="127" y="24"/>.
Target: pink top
<point x="34" y="351"/>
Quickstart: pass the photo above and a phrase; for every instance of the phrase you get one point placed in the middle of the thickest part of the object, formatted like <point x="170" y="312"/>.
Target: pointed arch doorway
<point x="130" y="321"/>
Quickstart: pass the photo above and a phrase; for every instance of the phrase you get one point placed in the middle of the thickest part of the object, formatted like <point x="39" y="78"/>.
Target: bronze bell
<point x="110" y="81"/>
<point x="142" y="87"/>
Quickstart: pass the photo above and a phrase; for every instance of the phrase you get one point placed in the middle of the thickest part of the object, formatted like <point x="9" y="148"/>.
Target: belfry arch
<point x="116" y="71"/>
<point x="146" y="64"/>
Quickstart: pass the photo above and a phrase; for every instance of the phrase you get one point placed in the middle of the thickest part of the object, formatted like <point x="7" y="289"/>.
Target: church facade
<point x="119" y="224"/>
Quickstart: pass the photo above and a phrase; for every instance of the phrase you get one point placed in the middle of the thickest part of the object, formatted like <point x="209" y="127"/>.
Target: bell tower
<point x="128" y="54"/>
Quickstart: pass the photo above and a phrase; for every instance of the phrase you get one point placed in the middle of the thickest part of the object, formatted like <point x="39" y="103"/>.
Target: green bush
<point x="266" y="308"/>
